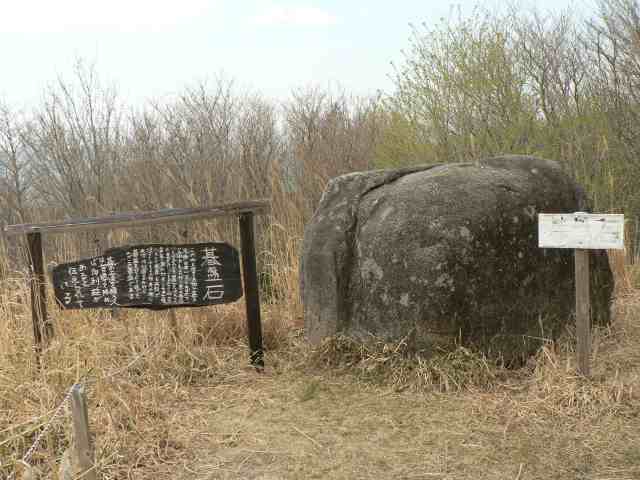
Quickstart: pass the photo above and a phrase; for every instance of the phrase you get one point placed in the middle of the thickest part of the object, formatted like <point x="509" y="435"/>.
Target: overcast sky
<point x="153" y="48"/>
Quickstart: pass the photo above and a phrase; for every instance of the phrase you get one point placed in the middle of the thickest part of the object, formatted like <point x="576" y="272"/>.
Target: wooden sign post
<point x="42" y="327"/>
<point x="151" y="276"/>
<point x="252" y="300"/>
<point x="582" y="232"/>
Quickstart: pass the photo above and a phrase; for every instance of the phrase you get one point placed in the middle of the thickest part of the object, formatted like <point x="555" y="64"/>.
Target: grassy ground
<point x="190" y="408"/>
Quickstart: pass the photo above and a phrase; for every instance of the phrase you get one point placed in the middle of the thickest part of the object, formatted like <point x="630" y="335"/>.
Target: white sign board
<point x="581" y="230"/>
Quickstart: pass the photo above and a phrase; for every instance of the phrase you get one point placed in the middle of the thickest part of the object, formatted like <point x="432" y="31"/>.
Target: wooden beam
<point x="583" y="312"/>
<point x="251" y="289"/>
<point x="137" y="219"/>
<point x="42" y="328"/>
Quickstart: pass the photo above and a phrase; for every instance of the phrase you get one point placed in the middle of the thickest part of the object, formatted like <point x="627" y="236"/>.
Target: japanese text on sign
<point x="151" y="276"/>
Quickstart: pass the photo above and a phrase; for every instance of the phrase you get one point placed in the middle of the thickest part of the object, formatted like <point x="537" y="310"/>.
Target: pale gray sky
<point x="151" y="48"/>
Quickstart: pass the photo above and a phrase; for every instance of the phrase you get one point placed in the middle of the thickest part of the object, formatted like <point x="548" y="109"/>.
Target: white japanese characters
<point x="214" y="284"/>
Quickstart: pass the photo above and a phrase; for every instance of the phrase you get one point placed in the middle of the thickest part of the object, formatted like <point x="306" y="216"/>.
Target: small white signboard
<point x="581" y="230"/>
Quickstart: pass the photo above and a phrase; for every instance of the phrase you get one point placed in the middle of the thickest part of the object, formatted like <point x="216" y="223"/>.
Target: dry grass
<point x="190" y="407"/>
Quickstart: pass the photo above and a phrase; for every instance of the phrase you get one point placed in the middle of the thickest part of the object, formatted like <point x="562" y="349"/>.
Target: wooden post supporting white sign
<point x="582" y="232"/>
<point x="583" y="312"/>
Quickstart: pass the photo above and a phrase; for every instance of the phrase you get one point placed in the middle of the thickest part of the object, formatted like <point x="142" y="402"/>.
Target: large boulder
<point x="445" y="251"/>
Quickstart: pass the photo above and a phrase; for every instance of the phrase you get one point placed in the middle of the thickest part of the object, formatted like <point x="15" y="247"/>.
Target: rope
<point x="45" y="429"/>
<point x="58" y="411"/>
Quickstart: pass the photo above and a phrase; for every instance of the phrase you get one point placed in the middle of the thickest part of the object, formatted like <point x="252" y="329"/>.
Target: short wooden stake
<point x="42" y="328"/>
<point x="82" y="439"/>
<point x="251" y="293"/>
<point x="583" y="312"/>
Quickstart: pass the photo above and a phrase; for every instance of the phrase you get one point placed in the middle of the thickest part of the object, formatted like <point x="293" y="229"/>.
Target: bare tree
<point x="327" y="135"/>
<point x="15" y="178"/>
<point x="75" y="141"/>
<point x="548" y="51"/>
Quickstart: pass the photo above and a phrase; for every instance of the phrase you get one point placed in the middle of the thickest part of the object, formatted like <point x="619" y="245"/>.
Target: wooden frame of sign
<point x="245" y="211"/>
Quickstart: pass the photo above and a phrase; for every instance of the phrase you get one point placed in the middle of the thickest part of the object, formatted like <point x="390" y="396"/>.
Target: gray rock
<point x="445" y="251"/>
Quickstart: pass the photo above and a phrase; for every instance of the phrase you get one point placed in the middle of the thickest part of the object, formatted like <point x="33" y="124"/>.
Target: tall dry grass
<point x="140" y="375"/>
<point x="131" y="366"/>
<point x="84" y="153"/>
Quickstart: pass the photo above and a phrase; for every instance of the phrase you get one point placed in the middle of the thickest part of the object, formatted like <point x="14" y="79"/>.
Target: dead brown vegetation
<point x="188" y="406"/>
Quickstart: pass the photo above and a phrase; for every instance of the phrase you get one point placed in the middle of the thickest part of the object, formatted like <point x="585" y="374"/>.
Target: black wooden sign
<point x="151" y="276"/>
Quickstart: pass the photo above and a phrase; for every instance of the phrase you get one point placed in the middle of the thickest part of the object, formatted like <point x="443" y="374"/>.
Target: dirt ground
<point x="275" y="426"/>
